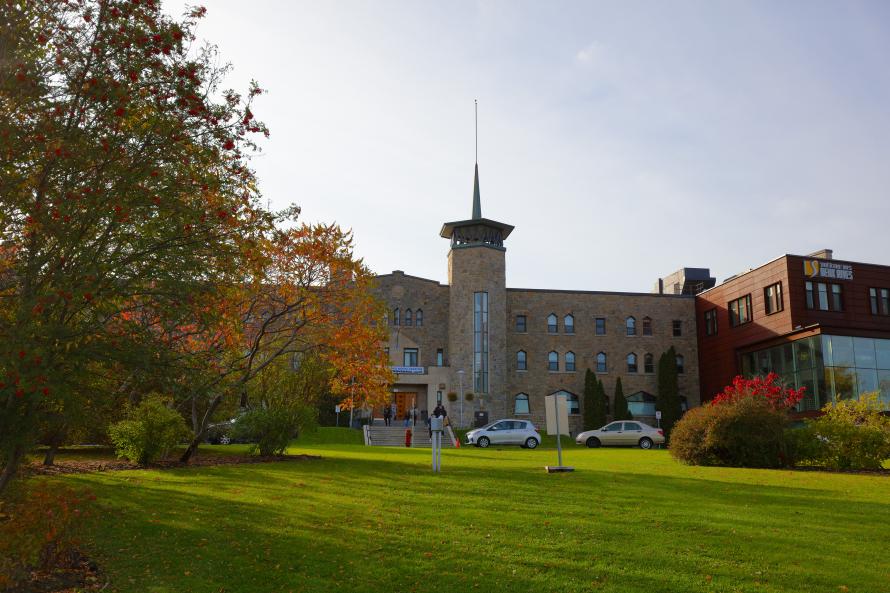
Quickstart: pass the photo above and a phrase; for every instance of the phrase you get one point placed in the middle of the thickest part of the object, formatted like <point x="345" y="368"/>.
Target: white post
<point x="436" y="423"/>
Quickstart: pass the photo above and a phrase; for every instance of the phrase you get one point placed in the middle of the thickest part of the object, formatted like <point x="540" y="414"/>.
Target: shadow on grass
<point x="369" y="524"/>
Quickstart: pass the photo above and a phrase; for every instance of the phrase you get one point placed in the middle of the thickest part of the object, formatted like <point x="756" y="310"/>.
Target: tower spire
<point x="477" y="203"/>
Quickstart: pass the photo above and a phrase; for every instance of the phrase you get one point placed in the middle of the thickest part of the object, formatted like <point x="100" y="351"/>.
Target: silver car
<point x="622" y="433"/>
<point x="505" y="432"/>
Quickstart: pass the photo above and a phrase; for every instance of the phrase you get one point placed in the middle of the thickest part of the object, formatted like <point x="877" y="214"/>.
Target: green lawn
<point x="376" y="519"/>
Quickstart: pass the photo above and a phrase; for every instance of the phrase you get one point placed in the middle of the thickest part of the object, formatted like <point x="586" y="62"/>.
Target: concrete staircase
<point x="377" y="435"/>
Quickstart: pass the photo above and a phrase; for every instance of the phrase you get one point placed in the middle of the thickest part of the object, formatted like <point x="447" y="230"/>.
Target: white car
<point x="505" y="432"/>
<point x="622" y="434"/>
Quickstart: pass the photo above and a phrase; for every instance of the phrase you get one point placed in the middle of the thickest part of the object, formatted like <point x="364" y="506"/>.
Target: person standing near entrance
<point x="387" y="411"/>
<point x="414" y="413"/>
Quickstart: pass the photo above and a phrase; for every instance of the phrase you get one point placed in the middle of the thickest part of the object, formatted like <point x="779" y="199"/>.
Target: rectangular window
<point x="711" y="322"/>
<point x="410" y="357"/>
<point x="825" y="297"/>
<point x="678" y="328"/>
<point x="647" y="326"/>
<point x="521" y="324"/>
<point x="822" y="291"/>
<point x="772" y="298"/>
<point x="879" y="299"/>
<point x="740" y="311"/>
<point x="837" y="297"/>
<point x="480" y="342"/>
<point x="440" y="357"/>
<point x="600" y="326"/>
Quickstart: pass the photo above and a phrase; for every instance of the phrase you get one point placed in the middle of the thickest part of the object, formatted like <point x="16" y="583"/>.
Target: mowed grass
<point x="376" y="519"/>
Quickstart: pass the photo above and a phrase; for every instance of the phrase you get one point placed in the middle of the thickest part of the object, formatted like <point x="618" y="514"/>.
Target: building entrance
<point x="404" y="402"/>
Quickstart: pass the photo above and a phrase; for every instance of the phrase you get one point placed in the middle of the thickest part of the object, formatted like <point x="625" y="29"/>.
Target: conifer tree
<point x="594" y="402"/>
<point x="601" y="391"/>
<point x="668" y="399"/>
<point x="620" y="410"/>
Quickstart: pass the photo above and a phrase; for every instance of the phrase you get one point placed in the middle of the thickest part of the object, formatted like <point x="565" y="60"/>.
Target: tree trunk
<point x="50" y="456"/>
<point x="200" y="430"/>
<point x="12" y="465"/>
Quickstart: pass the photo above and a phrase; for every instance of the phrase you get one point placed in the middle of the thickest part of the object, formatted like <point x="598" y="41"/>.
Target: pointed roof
<point x="477" y="202"/>
<point x="477" y="230"/>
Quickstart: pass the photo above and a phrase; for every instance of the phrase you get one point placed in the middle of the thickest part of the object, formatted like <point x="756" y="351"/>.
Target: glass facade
<point x="830" y="367"/>
<point x="480" y="342"/>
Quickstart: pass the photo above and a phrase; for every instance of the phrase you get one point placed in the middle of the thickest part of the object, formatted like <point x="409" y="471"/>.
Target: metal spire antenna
<point x="477" y="206"/>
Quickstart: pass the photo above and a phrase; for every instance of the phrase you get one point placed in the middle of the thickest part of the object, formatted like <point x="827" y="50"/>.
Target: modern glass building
<point x="830" y="367"/>
<point x="815" y="321"/>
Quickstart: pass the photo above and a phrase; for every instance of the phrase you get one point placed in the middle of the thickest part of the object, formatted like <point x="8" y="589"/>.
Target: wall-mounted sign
<point x="407" y="370"/>
<point x="815" y="268"/>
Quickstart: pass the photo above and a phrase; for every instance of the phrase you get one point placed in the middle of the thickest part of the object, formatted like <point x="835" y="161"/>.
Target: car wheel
<point x="593" y="442"/>
<point x="483" y="442"/>
<point x="531" y="443"/>
<point x="645" y="443"/>
<point x="225" y="440"/>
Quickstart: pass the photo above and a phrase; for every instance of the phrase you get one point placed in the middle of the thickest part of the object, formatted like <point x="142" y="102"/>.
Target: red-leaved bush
<point x="745" y="426"/>
<point x="768" y="388"/>
<point x="39" y="530"/>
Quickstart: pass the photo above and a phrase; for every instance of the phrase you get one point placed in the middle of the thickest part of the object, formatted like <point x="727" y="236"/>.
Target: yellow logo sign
<point x="811" y="267"/>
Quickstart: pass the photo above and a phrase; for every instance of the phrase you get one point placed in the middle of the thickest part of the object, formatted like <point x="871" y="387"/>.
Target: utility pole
<point x="460" y="395"/>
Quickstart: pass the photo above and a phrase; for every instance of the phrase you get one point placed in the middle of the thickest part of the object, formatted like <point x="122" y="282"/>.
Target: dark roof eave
<point x="448" y="227"/>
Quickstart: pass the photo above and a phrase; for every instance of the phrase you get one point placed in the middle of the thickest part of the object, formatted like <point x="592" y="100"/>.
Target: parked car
<point x="505" y="432"/>
<point x="223" y="433"/>
<point x="623" y="434"/>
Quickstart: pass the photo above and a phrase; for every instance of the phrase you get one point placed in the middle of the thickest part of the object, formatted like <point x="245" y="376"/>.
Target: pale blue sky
<point x="622" y="139"/>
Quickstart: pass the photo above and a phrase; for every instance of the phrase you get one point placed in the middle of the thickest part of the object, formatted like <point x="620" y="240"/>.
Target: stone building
<point x="511" y="347"/>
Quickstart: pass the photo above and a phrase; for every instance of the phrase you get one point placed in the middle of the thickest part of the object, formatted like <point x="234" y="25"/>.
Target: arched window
<point x="520" y="405"/>
<point x="631" y="363"/>
<point x="647" y="326"/>
<point x="551" y="324"/>
<point x="631" y="326"/>
<point x="553" y="361"/>
<point x="408" y="317"/>
<point x="570" y="361"/>
<point x="396" y="317"/>
<point x="571" y="400"/>
<point x="601" y="362"/>
<point x="648" y="363"/>
<point x="418" y="318"/>
<point x="568" y="323"/>
<point x="681" y="364"/>
<point x="521" y="361"/>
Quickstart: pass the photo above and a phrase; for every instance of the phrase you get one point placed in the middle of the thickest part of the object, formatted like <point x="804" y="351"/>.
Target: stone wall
<point x="410" y="292"/>
<point x="538" y="382"/>
<point x="471" y="269"/>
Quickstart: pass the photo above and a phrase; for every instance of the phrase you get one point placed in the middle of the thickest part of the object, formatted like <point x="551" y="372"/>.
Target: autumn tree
<point x="311" y="297"/>
<point x="124" y="188"/>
